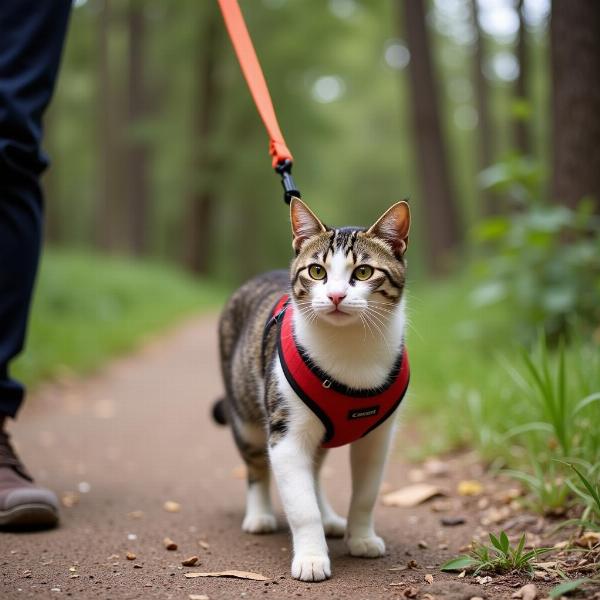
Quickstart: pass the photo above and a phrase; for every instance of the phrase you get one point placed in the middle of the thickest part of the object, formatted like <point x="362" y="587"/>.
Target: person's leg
<point x="31" y="40"/>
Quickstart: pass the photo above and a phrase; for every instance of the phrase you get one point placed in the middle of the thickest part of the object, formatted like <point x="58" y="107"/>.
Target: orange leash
<point x="244" y="49"/>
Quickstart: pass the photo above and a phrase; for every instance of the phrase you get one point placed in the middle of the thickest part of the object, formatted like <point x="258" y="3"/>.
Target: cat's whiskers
<point x="366" y="322"/>
<point x="370" y="318"/>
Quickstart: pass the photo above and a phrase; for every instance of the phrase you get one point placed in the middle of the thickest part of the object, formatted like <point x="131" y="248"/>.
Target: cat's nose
<point x="336" y="298"/>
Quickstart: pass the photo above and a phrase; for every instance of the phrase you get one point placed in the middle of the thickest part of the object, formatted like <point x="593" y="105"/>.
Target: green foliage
<point x="88" y="308"/>
<point x="568" y="586"/>
<point x="500" y="557"/>
<point x="542" y="260"/>
<point x="589" y="492"/>
<point x="563" y="418"/>
<point x="524" y="412"/>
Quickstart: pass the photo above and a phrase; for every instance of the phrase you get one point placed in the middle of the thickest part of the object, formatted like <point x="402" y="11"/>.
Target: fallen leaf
<point x="232" y="573"/>
<point x="475" y="598"/>
<point x="588" y="540"/>
<point x="429" y="578"/>
<point x="137" y="566"/>
<point x="69" y="499"/>
<point x="190" y="562"/>
<point x="469" y="487"/>
<point x="169" y="544"/>
<point x="435" y="467"/>
<point x="171" y="506"/>
<point x="423" y="544"/>
<point x="462" y="574"/>
<point x="113" y="557"/>
<point x="507" y="496"/>
<point x="198" y="597"/>
<point x="400" y="568"/>
<point x="527" y="592"/>
<point x="72" y="569"/>
<point x="204" y="544"/>
<point x="130" y="556"/>
<point x="493" y="515"/>
<point x="411" y="495"/>
<point x="135" y="514"/>
<point x="484" y="580"/>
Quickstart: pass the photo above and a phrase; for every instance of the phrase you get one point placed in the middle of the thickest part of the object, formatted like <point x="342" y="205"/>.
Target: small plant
<point x="590" y="494"/>
<point x="500" y="557"/>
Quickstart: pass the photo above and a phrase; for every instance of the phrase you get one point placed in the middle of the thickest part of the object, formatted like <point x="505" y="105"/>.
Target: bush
<point x="541" y="259"/>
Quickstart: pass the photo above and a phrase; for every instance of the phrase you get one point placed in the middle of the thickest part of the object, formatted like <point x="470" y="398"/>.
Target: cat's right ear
<point x="304" y="223"/>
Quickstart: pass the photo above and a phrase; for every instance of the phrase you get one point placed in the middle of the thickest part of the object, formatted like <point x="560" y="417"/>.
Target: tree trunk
<point x="440" y="212"/>
<point x="137" y="177"/>
<point x="484" y="149"/>
<point x="201" y="199"/>
<point x="575" y="63"/>
<point x="522" y="139"/>
<point x="51" y="185"/>
<point x="104" y="223"/>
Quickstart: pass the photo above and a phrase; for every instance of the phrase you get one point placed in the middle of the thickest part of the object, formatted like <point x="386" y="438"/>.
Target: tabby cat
<point x="345" y="320"/>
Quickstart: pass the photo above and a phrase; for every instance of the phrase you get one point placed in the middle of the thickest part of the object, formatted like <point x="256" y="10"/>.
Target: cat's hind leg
<point x="333" y="524"/>
<point x="252" y="444"/>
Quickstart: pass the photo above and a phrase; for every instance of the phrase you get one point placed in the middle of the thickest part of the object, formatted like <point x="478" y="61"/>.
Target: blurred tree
<point x="52" y="224"/>
<point x="106" y="235"/>
<point x="137" y="178"/>
<point x="522" y="138"/>
<point x="575" y="62"/>
<point x="484" y="147"/>
<point x="200" y="209"/>
<point x="440" y="209"/>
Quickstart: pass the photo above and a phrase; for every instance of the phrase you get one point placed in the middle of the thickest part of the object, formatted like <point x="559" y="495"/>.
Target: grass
<point x="532" y="411"/>
<point x="500" y="557"/>
<point x="88" y="308"/>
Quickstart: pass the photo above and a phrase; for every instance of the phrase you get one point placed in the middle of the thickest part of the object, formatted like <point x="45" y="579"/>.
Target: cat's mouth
<point x="337" y="312"/>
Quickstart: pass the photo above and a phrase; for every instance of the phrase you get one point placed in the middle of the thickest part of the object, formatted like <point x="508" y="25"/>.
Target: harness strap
<point x="244" y="49"/>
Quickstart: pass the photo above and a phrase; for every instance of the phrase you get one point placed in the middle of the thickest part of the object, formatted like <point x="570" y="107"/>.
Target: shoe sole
<point x="29" y="517"/>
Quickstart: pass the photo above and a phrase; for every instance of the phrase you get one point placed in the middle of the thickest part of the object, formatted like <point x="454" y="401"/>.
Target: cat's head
<point x="343" y="275"/>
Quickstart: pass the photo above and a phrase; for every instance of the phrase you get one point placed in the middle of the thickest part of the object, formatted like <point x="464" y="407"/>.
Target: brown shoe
<point x="23" y="504"/>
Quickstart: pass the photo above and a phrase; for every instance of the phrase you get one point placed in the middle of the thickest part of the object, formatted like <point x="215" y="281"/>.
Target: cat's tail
<point x="218" y="412"/>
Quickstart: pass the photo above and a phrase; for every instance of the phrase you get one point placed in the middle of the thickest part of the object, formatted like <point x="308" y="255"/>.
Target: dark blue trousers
<point x="32" y="33"/>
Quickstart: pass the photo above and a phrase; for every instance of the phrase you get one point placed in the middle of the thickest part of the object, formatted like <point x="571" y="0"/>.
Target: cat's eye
<point x="317" y="272"/>
<point x="363" y="272"/>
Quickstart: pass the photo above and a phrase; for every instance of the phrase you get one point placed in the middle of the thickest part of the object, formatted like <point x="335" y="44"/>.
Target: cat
<point x="338" y="319"/>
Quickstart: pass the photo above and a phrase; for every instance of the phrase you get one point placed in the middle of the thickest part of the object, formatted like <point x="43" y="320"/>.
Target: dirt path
<point x="138" y="434"/>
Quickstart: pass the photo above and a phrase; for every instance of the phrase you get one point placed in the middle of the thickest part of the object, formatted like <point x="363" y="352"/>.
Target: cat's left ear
<point x="393" y="227"/>
<point x="305" y="224"/>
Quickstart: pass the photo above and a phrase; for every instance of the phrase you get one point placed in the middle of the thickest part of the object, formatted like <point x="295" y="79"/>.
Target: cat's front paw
<point x="368" y="547"/>
<point x="264" y="523"/>
<point x="334" y="526"/>
<point x="311" y="568"/>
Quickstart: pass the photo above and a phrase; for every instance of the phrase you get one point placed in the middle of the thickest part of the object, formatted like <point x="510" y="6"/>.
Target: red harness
<point x="346" y="413"/>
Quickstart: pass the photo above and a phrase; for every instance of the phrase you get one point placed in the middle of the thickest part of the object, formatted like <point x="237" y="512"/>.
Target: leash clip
<point x="284" y="168"/>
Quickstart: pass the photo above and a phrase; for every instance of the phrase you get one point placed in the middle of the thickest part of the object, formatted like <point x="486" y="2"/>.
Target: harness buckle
<point x="327" y="384"/>
<point x="284" y="168"/>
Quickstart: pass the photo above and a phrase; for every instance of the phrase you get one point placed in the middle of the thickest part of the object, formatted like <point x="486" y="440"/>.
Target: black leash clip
<point x="284" y="168"/>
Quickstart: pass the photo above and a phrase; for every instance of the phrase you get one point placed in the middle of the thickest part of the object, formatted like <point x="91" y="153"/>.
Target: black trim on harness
<point x="389" y="412"/>
<point x="344" y="389"/>
<point x="306" y="399"/>
<point x="272" y="320"/>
